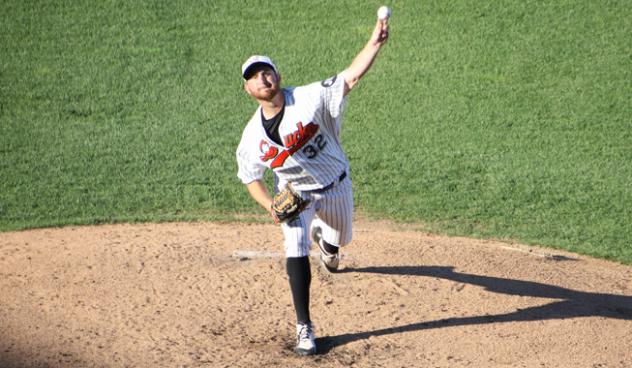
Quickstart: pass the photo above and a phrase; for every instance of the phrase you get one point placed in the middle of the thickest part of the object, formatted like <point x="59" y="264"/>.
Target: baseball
<point x="384" y="12"/>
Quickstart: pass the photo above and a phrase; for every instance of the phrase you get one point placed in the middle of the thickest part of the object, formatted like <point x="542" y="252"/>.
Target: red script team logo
<point x="268" y="152"/>
<point x="292" y="142"/>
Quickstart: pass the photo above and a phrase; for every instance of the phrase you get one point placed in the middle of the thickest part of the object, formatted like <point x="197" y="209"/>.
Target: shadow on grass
<point x="572" y="303"/>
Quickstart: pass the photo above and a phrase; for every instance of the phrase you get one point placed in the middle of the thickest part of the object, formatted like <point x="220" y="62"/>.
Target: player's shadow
<point x="571" y="303"/>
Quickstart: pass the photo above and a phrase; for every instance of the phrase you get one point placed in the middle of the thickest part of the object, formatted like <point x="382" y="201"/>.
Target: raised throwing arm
<point x="363" y="61"/>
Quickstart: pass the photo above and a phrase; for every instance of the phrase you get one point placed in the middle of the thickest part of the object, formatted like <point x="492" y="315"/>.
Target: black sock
<point x="300" y="275"/>
<point x="331" y="249"/>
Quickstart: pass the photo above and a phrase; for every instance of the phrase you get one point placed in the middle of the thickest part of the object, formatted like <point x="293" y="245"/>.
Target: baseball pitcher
<point x="295" y="132"/>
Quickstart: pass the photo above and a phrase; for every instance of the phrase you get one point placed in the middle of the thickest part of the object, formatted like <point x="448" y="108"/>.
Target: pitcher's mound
<point x="216" y="295"/>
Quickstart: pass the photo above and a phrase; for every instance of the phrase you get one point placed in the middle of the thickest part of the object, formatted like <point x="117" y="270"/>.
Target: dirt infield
<point x="216" y="295"/>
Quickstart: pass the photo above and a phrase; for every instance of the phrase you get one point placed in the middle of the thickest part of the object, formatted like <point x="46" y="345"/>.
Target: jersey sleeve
<point x="249" y="168"/>
<point x="333" y="95"/>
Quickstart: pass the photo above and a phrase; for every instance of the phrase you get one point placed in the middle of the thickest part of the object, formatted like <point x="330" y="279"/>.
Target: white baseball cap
<point x="256" y="59"/>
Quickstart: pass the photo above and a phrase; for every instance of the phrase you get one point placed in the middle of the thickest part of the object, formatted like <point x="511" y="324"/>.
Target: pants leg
<point x="334" y="214"/>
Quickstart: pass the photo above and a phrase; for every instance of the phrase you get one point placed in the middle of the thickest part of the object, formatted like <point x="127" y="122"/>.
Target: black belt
<point x="331" y="185"/>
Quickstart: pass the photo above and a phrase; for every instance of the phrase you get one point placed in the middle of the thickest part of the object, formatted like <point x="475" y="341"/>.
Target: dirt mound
<point x="216" y="295"/>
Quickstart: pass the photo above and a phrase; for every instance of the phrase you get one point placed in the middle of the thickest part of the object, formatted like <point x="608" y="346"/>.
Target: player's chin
<point x="266" y="94"/>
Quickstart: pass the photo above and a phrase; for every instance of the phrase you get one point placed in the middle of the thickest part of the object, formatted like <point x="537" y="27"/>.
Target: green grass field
<point x="500" y="119"/>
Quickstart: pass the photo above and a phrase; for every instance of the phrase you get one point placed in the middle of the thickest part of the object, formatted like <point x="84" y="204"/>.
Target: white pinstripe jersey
<point x="311" y="156"/>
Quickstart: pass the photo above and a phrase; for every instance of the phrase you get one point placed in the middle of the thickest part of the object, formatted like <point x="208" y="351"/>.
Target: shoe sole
<point x="326" y="267"/>
<point x="303" y="352"/>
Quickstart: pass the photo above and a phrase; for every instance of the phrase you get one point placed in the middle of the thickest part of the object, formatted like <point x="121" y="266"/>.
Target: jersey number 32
<point x="312" y="150"/>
